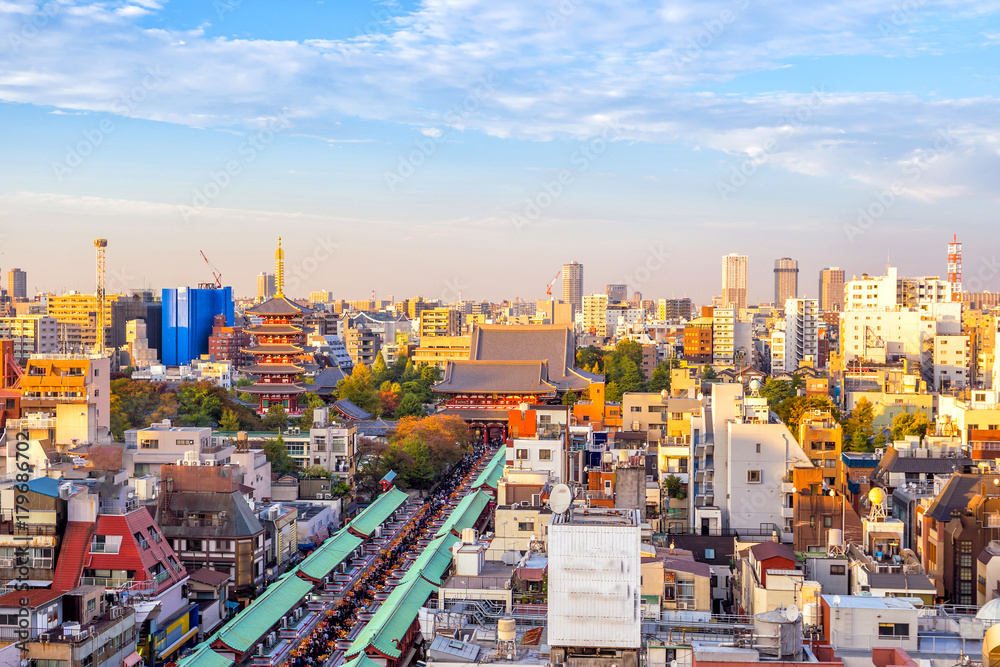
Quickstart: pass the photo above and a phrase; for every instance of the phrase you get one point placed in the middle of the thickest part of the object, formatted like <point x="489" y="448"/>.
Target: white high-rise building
<point x="801" y="331"/>
<point x="723" y="336"/>
<point x="890" y="291"/>
<point x="777" y="351"/>
<point x="734" y="281"/>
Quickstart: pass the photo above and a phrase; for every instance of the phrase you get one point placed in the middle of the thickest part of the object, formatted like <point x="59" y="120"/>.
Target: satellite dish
<point x="131" y="495"/>
<point x="792" y="613"/>
<point x="560" y="499"/>
<point x="836" y="600"/>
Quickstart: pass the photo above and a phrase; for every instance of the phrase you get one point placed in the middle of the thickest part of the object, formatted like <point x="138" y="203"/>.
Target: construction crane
<point x="548" y="288"/>
<point x="100" y="244"/>
<point x="215" y="271"/>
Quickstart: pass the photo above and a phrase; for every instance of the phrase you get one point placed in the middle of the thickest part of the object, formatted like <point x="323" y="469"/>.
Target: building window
<point x="522" y="455"/>
<point x="149" y="444"/>
<point x="753" y="476"/>
<point x="709" y="554"/>
<point x="526" y="526"/>
<point x="812" y="522"/>
<point x="544" y="454"/>
<point x="635" y="408"/>
<point x="838" y="570"/>
<point x="92" y="604"/>
<point x="758" y="448"/>
<point x="893" y="629"/>
<point x="194" y="545"/>
<point x="828" y="521"/>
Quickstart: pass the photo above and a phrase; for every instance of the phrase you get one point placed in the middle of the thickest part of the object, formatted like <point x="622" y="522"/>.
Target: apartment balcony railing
<point x="162" y="576"/>
<point x="143" y="543"/>
<point x="118" y="508"/>
<point x="993" y="520"/>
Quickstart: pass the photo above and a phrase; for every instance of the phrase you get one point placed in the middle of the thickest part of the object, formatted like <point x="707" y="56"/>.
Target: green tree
<point x="276" y="418"/>
<point x="776" y="392"/>
<point x="230" y="421"/>
<point x="708" y="373"/>
<point x="277" y="455"/>
<point x="409" y="406"/>
<point x="659" y="379"/>
<point x="589" y="357"/>
<point x="860" y="442"/>
<point x="570" y="398"/>
<point x="909" y="423"/>
<point x="629" y="349"/>
<point x="380" y="372"/>
<point x="244" y="382"/>
<point x="359" y="388"/>
<point x="420" y="473"/>
<point x="880" y="439"/>
<point x="631" y="377"/>
<point x="309" y="402"/>
<point x="317" y="472"/>
<point x="674" y="487"/>
<point x="612" y="392"/>
<point x="246" y="397"/>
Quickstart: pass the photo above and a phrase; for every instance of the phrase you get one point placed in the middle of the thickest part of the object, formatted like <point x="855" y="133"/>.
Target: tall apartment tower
<point x="801" y="327"/>
<point x="265" y="286"/>
<point x="572" y="277"/>
<point x="786" y="280"/>
<point x="17" y="284"/>
<point x="734" y="281"/>
<point x="831" y="289"/>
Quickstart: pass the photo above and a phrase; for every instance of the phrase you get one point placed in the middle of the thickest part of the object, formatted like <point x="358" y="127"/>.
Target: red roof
<point x="132" y="556"/>
<point x="35" y="596"/>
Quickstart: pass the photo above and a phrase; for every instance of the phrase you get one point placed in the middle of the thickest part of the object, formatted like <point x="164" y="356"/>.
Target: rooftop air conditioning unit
<point x="328" y="496"/>
<point x="536" y="500"/>
<point x="319" y="496"/>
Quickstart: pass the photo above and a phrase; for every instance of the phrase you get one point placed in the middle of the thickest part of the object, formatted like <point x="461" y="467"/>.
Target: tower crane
<point x="548" y="288"/>
<point x="215" y="271"/>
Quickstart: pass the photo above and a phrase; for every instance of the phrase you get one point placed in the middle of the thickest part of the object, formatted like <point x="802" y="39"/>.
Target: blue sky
<point x="470" y="146"/>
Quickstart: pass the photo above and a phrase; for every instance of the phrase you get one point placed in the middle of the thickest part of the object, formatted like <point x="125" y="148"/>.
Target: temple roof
<point x="507" y="377"/>
<point x="274" y="330"/>
<point x="552" y="343"/>
<point x="277" y="305"/>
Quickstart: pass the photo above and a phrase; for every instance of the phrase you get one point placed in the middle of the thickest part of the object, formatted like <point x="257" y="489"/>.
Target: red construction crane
<point x="548" y="288"/>
<point x="215" y="271"/>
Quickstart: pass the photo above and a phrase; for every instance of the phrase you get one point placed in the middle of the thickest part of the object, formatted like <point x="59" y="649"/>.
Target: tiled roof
<point x="278" y="305"/>
<point x="956" y="495"/>
<point x="362" y="661"/>
<point x="329" y="555"/>
<point x="351" y="411"/>
<point x="552" y="343"/>
<point x="211" y="577"/>
<point x="393" y="619"/>
<point x="433" y="562"/>
<point x="204" y="657"/>
<point x="493" y="471"/>
<point x="466" y="514"/>
<point x="246" y="629"/>
<point x="35" y="596"/>
<point x="509" y="377"/>
<point x="375" y="514"/>
<point x="766" y="550"/>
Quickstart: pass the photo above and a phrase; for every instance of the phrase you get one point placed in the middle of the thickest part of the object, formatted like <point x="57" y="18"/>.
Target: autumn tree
<point x="910" y="423"/>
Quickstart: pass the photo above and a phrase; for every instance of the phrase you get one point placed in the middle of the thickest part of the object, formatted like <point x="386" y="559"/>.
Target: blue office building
<point x="188" y="317"/>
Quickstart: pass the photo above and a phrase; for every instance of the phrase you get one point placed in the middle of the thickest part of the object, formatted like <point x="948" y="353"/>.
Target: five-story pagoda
<point x="278" y="347"/>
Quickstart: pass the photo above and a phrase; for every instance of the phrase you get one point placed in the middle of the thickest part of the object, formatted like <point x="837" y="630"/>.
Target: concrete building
<point x="698" y="337"/>
<point x="857" y="622"/>
<point x="674" y="310"/>
<point x="265" y="286"/>
<point x="594" y="589"/>
<point x="75" y="389"/>
<point x="440" y="322"/>
<point x="616" y="293"/>
<point x="362" y="344"/>
<point x="143" y="305"/>
<point x="952" y="361"/>
<point x="734" y="282"/>
<point x="801" y="332"/>
<point x="17" y="284"/>
<point x="436" y="351"/>
<point x="723" y="336"/>
<point x="786" y="280"/>
<point x="595" y="316"/>
<point x="162" y="443"/>
<point x="79" y="311"/>
<point x="572" y="285"/>
<point x="831" y="289"/>
<point x="777" y="346"/>
<point x="892" y="290"/>
<point x="31" y="334"/>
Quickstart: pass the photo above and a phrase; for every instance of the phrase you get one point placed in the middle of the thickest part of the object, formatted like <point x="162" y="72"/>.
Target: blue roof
<point x="45" y="486"/>
<point x="389" y="476"/>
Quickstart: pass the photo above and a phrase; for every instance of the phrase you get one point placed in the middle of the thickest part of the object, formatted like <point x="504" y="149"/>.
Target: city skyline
<point x="476" y="134"/>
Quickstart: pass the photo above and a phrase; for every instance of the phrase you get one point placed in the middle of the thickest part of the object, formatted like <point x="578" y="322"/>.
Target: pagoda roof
<point x="274" y="329"/>
<point x="277" y="305"/>
<point x="274" y="348"/>
<point x="552" y="343"/>
<point x="275" y="388"/>
<point x="257" y="369"/>
<point x="502" y="377"/>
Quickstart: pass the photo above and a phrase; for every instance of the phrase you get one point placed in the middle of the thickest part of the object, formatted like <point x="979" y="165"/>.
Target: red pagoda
<point x="278" y="349"/>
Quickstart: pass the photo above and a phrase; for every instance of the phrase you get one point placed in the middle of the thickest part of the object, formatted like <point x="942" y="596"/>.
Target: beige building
<point x="595" y="315"/>
<point x="436" y="351"/>
<point x="75" y="390"/>
<point x="734" y="282"/>
<point x="31" y="334"/>
<point x="675" y="584"/>
<point x="440" y="322"/>
<point x="81" y="310"/>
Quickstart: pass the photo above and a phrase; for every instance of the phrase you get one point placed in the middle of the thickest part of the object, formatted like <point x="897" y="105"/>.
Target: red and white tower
<point x="955" y="268"/>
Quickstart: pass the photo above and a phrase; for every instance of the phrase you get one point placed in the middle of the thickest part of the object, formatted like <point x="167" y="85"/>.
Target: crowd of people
<point x="316" y="650"/>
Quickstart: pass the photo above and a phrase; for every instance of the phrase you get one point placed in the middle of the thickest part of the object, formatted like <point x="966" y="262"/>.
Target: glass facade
<point x="188" y="318"/>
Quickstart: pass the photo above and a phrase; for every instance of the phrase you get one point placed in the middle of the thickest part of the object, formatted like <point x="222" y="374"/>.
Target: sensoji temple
<point x="509" y="366"/>
<point x="278" y="350"/>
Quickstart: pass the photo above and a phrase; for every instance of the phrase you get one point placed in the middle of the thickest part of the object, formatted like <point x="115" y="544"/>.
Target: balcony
<point x="787" y="512"/>
<point x="787" y="487"/>
<point x="162" y="576"/>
